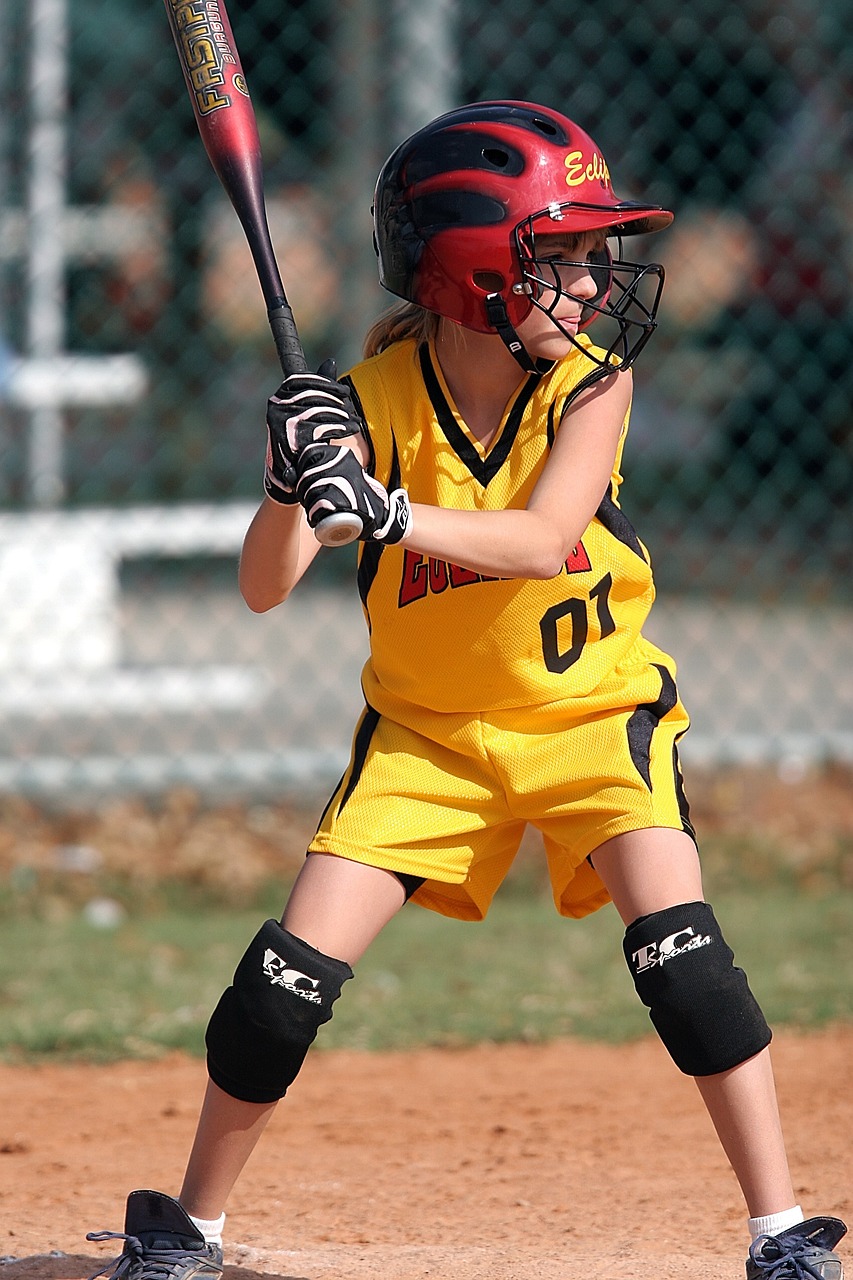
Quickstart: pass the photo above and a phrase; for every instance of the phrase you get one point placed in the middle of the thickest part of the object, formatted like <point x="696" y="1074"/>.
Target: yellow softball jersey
<point x="444" y="638"/>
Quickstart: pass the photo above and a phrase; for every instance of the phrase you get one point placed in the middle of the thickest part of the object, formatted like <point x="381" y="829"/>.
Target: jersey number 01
<point x="576" y="610"/>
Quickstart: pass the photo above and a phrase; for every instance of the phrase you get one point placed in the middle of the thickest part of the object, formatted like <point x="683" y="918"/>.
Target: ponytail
<point x="405" y="320"/>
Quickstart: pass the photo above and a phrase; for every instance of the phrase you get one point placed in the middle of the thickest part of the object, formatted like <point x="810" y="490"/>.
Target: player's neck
<point x="481" y="375"/>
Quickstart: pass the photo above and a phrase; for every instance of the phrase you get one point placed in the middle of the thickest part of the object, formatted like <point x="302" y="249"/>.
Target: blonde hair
<point x="404" y="320"/>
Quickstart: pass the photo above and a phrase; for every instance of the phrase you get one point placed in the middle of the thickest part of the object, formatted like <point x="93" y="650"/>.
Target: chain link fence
<point x="135" y="360"/>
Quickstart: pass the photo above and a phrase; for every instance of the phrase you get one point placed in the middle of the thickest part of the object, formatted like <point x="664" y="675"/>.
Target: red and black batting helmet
<point x="458" y="205"/>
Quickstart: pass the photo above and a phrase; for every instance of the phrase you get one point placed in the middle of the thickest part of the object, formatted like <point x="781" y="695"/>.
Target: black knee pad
<point x="700" y="1003"/>
<point x="263" y="1026"/>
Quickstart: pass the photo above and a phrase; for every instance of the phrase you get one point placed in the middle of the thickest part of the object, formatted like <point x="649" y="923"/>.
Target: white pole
<point x="45" y="270"/>
<point x="424" y="63"/>
<point x="353" y="169"/>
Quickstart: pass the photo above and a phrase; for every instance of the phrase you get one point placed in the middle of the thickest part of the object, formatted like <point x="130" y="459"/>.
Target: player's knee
<point x="699" y="1002"/>
<point x="265" y="1022"/>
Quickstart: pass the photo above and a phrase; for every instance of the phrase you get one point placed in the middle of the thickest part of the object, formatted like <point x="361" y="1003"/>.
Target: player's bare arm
<point x="277" y="549"/>
<point x="534" y="542"/>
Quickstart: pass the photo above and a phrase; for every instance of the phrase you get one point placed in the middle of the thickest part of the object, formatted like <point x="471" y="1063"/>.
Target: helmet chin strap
<point x="496" y="314"/>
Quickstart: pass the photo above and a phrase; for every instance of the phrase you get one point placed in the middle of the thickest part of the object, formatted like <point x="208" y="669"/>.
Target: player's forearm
<point x="276" y="552"/>
<point x="534" y="542"/>
<point x="501" y="544"/>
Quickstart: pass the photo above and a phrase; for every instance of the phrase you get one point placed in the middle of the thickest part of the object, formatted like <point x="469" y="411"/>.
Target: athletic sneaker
<point x="161" y="1242"/>
<point x="803" y="1252"/>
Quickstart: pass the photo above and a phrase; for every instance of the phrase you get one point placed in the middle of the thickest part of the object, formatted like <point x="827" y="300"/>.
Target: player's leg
<point x="257" y="1038"/>
<point x="647" y="872"/>
<point x="654" y="879"/>
<point x="339" y="904"/>
<point x="626" y="833"/>
<point x="292" y="972"/>
<point x="633" y="823"/>
<point x="337" y="907"/>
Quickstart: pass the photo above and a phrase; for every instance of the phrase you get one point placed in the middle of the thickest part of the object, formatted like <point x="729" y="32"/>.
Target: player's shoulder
<point x="582" y="360"/>
<point x="387" y="363"/>
<point x="391" y="378"/>
<point x="569" y="374"/>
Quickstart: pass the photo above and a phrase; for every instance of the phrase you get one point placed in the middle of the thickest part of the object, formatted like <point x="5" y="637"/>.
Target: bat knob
<point x="337" y="530"/>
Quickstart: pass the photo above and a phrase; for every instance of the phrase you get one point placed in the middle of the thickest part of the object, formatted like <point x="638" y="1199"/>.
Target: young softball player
<point x="477" y="450"/>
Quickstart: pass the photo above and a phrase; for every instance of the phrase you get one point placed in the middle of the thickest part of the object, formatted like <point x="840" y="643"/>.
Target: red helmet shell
<point x="449" y="199"/>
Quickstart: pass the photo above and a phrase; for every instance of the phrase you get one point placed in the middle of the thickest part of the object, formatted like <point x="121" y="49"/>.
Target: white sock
<point x="773" y="1223"/>
<point x="211" y="1229"/>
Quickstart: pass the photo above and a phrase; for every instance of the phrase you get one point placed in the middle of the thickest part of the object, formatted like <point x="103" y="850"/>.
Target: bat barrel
<point x="226" y="121"/>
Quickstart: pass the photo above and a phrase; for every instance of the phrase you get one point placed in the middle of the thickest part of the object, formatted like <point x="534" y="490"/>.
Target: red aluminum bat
<point x="226" y="121"/>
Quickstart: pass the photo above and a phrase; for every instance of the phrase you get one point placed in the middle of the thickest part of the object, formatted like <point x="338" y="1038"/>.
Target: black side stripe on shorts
<point x="358" y="762"/>
<point x="645" y="720"/>
<point x="363" y="738"/>
<point x="683" y="806"/>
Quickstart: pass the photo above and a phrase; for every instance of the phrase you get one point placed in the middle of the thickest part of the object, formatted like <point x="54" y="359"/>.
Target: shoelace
<point x="789" y="1264"/>
<point x="160" y="1264"/>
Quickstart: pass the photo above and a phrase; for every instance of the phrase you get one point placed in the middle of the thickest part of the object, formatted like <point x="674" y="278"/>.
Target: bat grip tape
<point x="286" y="337"/>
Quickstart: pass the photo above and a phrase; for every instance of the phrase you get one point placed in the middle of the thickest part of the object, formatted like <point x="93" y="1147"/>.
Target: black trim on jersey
<point x="371" y="553"/>
<point x="551" y="427"/>
<point x="595" y="375"/>
<point x="482" y="469"/>
<point x="616" y="522"/>
<point x="642" y="724"/>
<point x="359" y="408"/>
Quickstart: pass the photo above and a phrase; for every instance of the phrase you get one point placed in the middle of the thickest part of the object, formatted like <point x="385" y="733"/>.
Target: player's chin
<point x="554" y="346"/>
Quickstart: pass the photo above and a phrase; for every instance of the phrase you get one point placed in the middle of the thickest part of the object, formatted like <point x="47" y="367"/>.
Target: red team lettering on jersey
<point x="423" y="575"/>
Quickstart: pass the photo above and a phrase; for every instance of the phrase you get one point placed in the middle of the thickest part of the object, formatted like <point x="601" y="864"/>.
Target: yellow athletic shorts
<point x="448" y="797"/>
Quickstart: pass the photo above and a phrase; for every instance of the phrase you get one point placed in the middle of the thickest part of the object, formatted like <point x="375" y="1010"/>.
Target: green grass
<point x="70" y="989"/>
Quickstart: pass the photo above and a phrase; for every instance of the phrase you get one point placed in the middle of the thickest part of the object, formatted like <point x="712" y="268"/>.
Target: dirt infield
<point x="491" y="1163"/>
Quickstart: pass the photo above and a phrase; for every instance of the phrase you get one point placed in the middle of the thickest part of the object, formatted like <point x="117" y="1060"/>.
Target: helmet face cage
<point x="627" y="295"/>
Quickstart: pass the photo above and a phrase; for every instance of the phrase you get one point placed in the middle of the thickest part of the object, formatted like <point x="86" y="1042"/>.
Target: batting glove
<point x="333" y="481"/>
<point x="307" y="408"/>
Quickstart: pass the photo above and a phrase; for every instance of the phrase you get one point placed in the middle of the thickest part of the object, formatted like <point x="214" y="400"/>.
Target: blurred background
<point x="135" y="361"/>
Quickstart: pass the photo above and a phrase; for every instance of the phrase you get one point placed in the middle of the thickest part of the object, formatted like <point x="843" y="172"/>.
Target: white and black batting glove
<point x="306" y="409"/>
<point x="332" y="481"/>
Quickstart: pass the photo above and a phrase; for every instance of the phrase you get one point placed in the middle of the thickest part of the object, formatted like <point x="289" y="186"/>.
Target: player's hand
<point x="332" y="481"/>
<point x="306" y="408"/>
